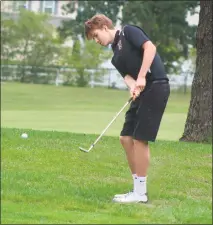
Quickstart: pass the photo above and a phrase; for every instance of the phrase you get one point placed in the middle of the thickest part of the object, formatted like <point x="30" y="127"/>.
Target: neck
<point x="112" y="34"/>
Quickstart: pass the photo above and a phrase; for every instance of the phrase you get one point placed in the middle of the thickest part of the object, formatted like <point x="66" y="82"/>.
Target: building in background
<point x="53" y="8"/>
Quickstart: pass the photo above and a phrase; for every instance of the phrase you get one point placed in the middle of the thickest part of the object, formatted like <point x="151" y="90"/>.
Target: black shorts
<point x="142" y="120"/>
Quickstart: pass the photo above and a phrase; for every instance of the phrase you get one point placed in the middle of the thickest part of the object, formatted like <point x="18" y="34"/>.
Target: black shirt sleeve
<point x="121" y="72"/>
<point x="135" y="36"/>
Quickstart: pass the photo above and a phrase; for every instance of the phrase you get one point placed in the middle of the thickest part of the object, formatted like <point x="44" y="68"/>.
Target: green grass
<point x="79" y="110"/>
<point x="47" y="180"/>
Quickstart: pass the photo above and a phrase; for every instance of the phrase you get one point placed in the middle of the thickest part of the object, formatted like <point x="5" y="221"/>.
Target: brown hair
<point x="97" y="22"/>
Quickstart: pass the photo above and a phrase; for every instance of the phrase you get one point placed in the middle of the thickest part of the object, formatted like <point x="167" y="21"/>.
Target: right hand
<point x="132" y="91"/>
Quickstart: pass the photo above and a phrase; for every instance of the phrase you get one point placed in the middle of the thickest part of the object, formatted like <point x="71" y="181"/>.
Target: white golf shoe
<point x="122" y="195"/>
<point x="131" y="197"/>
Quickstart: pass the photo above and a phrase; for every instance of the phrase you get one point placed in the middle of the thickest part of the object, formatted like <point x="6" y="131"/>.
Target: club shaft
<point x="115" y="117"/>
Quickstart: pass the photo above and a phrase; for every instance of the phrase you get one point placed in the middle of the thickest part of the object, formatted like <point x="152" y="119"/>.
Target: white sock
<point x="140" y="185"/>
<point x="134" y="176"/>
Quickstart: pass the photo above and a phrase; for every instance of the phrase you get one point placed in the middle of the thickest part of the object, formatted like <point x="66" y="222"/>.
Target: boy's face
<point x="102" y="36"/>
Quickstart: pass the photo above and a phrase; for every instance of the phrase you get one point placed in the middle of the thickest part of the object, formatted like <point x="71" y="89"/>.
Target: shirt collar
<point x="116" y="39"/>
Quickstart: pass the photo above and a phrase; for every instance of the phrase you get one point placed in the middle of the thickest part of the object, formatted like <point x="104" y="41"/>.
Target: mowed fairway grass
<point x="79" y="110"/>
<point x="45" y="179"/>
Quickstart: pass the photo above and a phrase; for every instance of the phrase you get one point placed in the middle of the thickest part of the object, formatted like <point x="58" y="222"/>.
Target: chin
<point x="107" y="44"/>
<point x="104" y="44"/>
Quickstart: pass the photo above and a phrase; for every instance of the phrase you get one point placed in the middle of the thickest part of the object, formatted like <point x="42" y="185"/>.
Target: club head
<point x="84" y="150"/>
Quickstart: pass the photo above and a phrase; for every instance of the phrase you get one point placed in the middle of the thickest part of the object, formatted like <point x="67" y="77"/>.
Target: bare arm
<point x="149" y="54"/>
<point x="129" y="81"/>
<point x="148" y="57"/>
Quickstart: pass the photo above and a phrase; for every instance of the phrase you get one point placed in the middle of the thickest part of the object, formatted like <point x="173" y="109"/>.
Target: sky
<point x="193" y="20"/>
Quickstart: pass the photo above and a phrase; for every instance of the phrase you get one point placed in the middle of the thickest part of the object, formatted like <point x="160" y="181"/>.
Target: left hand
<point x="140" y="85"/>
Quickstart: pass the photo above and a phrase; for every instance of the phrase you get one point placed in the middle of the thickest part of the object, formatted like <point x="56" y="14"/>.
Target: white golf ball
<point x="24" y="135"/>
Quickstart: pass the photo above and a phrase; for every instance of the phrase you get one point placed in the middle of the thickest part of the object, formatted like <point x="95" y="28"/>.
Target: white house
<point x="54" y="8"/>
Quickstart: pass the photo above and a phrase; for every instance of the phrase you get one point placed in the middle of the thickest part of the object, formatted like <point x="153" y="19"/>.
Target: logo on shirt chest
<point x="120" y="45"/>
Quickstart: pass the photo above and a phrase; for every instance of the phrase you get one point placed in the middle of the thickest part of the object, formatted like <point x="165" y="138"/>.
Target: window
<point x="17" y="5"/>
<point x="49" y="7"/>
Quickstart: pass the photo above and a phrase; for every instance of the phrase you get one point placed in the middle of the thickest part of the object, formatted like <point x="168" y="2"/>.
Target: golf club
<point x="85" y="150"/>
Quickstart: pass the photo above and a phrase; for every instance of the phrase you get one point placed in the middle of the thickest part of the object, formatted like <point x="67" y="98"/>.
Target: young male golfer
<point x="136" y="59"/>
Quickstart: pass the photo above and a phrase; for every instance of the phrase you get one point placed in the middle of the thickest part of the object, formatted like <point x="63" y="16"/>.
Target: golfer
<point x="136" y="59"/>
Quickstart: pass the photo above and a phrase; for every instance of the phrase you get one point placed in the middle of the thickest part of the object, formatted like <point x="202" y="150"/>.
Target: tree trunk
<point x="23" y="63"/>
<point x="198" y="127"/>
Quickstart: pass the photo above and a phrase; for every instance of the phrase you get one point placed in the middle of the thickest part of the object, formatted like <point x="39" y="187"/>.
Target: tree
<point x="166" y="18"/>
<point x="198" y="127"/>
<point x="84" y="56"/>
<point x="164" y="22"/>
<point x="29" y="39"/>
<point x="85" y="10"/>
<point x="8" y="41"/>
